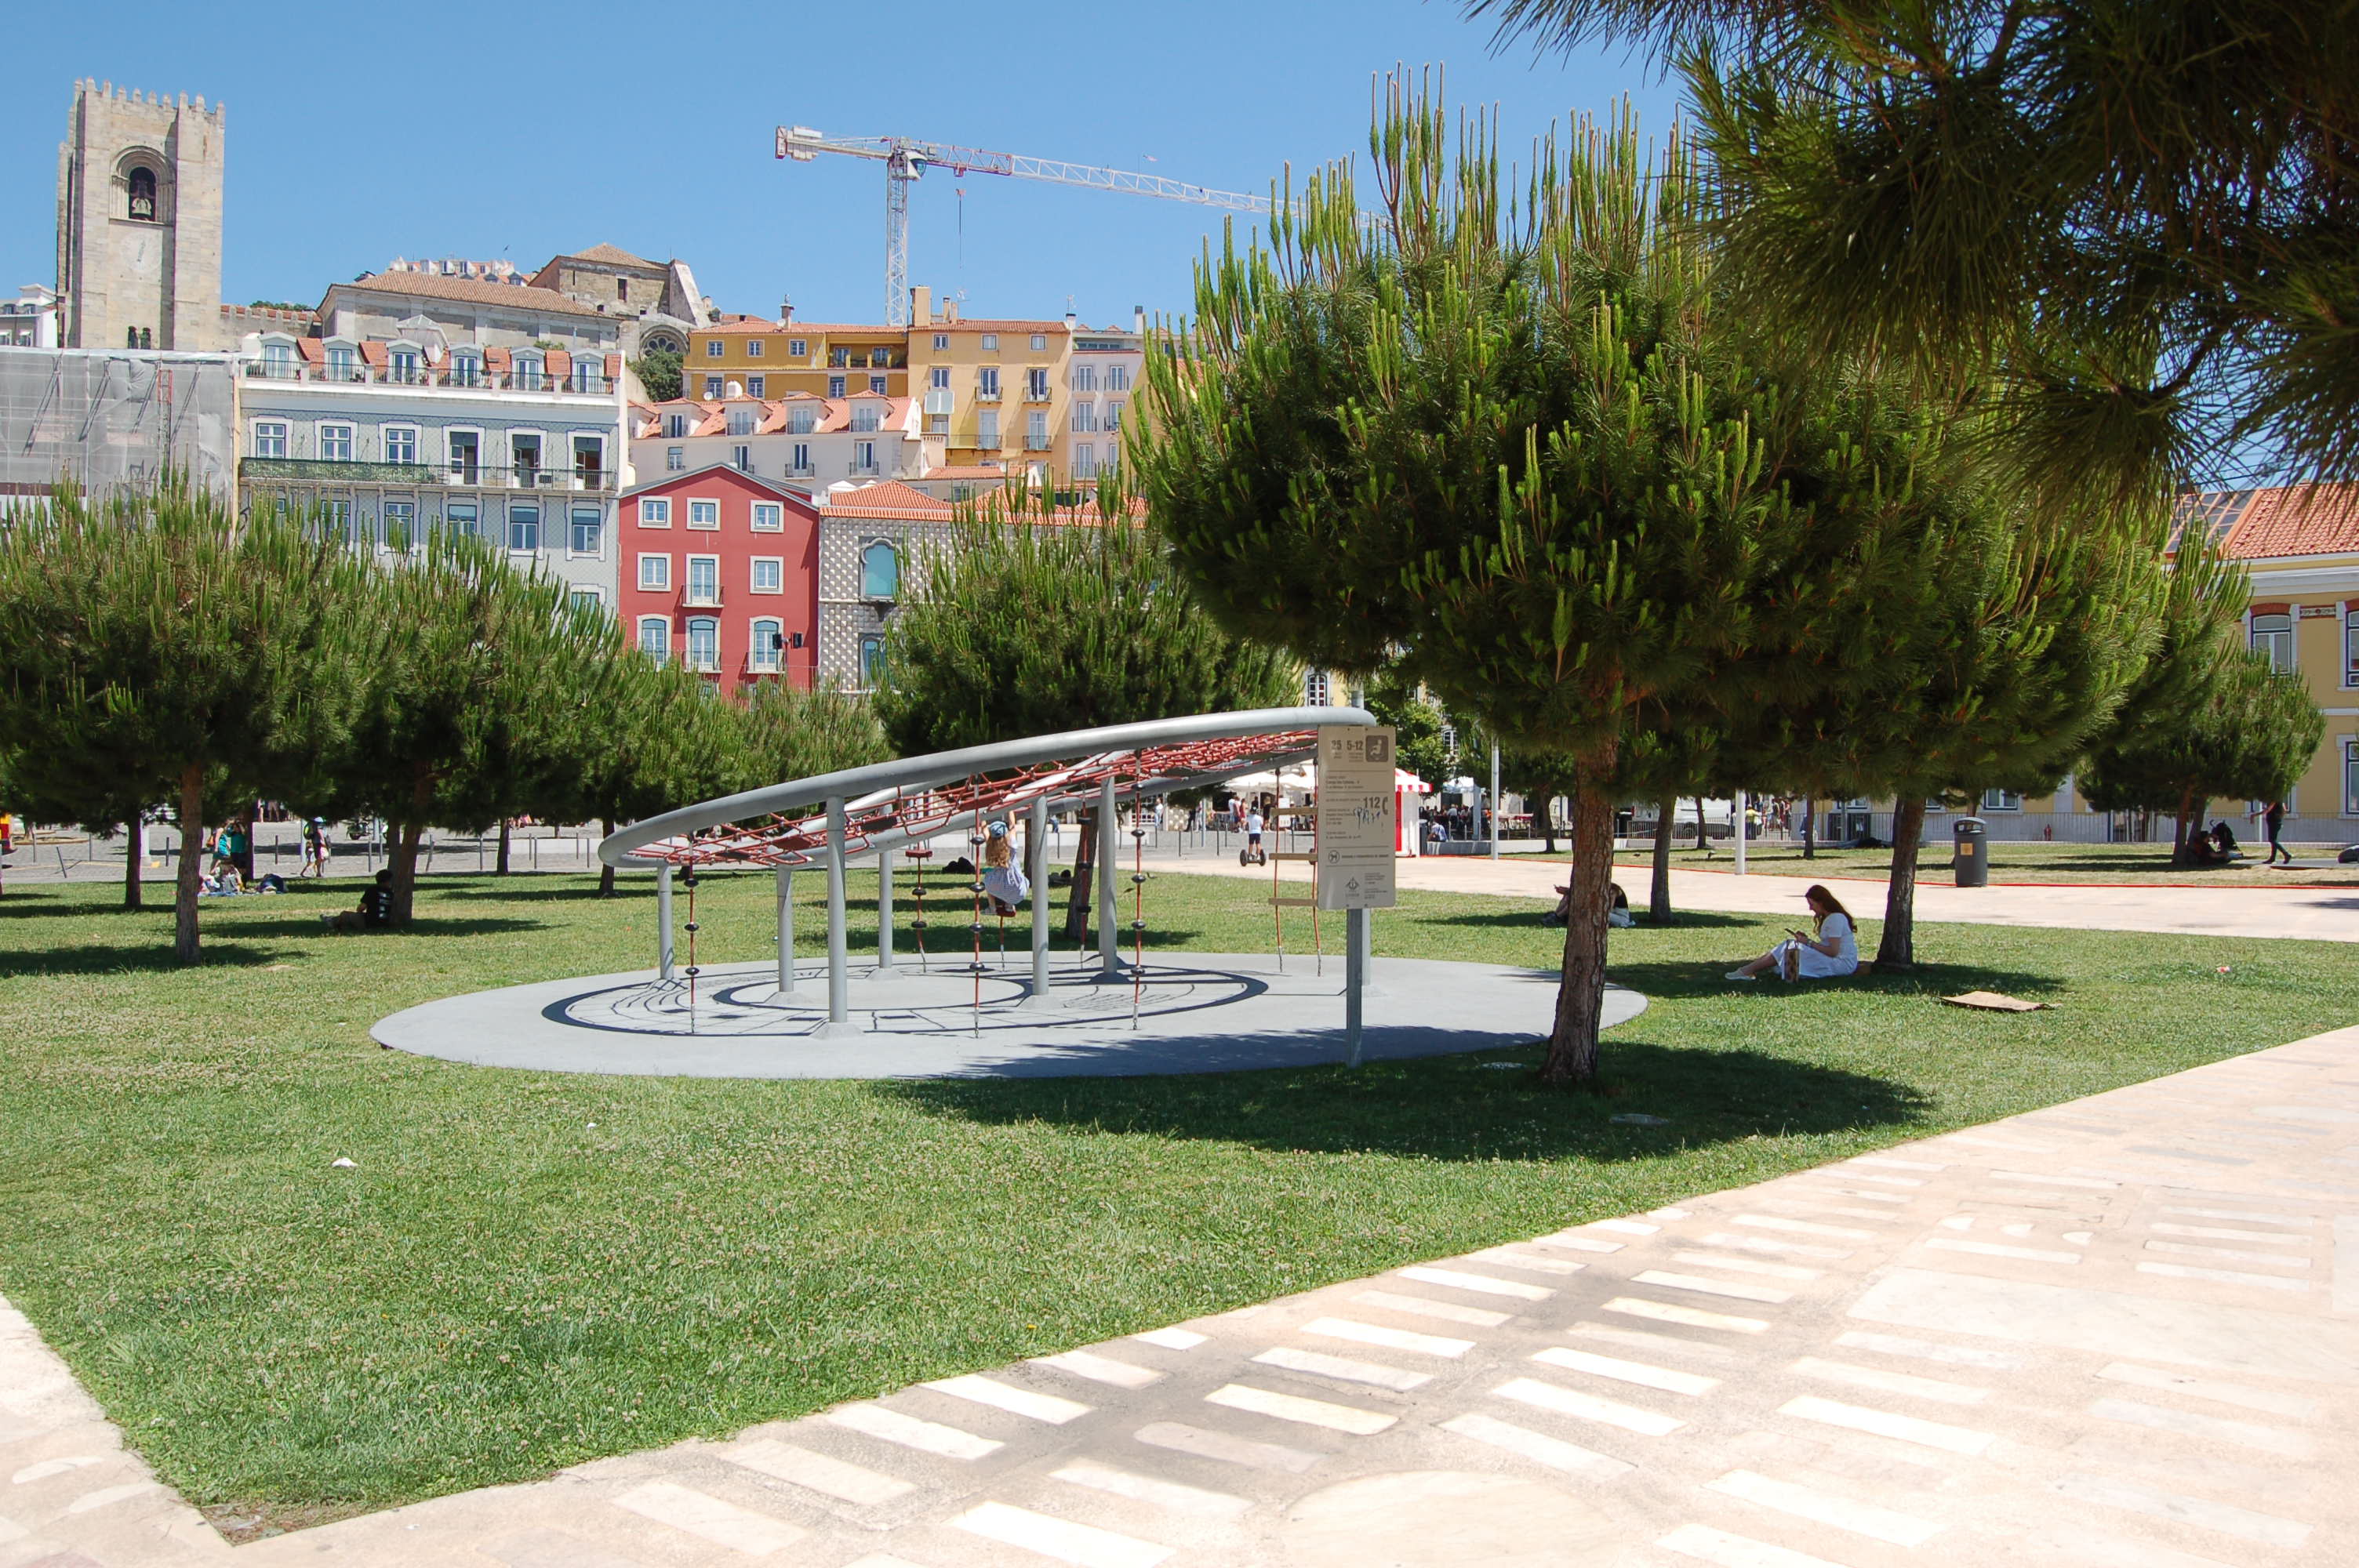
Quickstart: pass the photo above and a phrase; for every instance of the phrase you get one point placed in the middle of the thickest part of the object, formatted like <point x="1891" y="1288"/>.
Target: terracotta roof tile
<point x="886" y="498"/>
<point x="475" y="290"/>
<point x="614" y="254"/>
<point x="2284" y="520"/>
<point x="969" y="470"/>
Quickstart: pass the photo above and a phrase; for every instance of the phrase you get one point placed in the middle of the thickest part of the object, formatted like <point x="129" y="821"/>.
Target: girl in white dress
<point x="1833" y="951"/>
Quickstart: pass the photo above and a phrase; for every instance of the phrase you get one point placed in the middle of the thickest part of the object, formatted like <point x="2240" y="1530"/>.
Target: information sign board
<point x="1357" y="808"/>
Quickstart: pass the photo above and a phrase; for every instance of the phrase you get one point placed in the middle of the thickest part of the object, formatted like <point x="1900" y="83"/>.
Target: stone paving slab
<point x="2119" y="1333"/>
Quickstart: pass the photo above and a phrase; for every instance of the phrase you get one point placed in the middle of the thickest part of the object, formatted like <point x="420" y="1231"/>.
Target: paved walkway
<point x="2121" y="1333"/>
<point x="2320" y="913"/>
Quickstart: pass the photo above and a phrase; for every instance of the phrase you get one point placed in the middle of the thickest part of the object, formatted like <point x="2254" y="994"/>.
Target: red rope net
<point x="920" y="812"/>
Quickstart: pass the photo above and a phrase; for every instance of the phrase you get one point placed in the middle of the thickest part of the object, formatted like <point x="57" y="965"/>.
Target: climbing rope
<point x="920" y="854"/>
<point x="689" y="881"/>
<point x="1137" y="900"/>
<point x="976" y="839"/>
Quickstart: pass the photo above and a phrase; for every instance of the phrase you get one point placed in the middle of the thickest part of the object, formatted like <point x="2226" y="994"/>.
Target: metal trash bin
<point x="1970" y="851"/>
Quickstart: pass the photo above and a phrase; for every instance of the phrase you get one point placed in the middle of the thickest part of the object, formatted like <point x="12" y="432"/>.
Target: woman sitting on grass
<point x="1833" y="951"/>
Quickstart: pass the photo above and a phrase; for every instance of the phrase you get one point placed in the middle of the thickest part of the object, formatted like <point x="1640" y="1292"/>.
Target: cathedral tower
<point x="139" y="220"/>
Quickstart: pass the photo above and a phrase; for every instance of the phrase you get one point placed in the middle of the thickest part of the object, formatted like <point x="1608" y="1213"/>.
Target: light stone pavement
<point x="2119" y="1333"/>
<point x="2322" y="913"/>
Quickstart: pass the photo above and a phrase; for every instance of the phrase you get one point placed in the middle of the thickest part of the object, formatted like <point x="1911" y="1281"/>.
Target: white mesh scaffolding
<point x="113" y="417"/>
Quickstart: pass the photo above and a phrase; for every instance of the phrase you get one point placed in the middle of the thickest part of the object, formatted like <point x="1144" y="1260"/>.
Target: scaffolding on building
<point x="107" y="419"/>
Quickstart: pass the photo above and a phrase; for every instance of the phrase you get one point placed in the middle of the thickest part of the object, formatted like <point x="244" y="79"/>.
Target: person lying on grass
<point x="1830" y="948"/>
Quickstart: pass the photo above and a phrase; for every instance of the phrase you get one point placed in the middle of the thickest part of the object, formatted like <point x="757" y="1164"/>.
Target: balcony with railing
<point x="456" y="476"/>
<point x="471" y="375"/>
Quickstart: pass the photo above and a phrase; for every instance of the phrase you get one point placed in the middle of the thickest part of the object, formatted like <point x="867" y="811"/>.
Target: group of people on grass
<point x="1830" y="948"/>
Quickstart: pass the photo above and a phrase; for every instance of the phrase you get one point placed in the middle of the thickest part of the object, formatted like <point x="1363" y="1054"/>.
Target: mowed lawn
<point x="528" y="1270"/>
<point x="2081" y="865"/>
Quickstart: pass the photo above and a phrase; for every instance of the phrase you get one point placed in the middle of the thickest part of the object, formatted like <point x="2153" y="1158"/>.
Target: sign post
<point x="1358" y="830"/>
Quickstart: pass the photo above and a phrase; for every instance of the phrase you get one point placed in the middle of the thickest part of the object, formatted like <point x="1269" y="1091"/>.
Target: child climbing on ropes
<point x="1002" y="882"/>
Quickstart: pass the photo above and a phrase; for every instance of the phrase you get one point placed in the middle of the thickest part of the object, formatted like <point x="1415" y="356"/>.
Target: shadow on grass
<point x="1527" y="920"/>
<point x="1449" y="1108"/>
<point x="421" y="925"/>
<point x="148" y="958"/>
<point x="1662" y="981"/>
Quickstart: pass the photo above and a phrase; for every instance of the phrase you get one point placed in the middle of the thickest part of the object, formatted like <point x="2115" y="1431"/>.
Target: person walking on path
<point x="315" y="849"/>
<point x="2272" y="819"/>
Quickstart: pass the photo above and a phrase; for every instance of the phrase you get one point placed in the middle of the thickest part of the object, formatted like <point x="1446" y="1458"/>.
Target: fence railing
<point x="590" y="383"/>
<point x="461" y="476"/>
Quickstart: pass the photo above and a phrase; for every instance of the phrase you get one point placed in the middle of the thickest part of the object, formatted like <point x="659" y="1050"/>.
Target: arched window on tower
<point x="143" y="195"/>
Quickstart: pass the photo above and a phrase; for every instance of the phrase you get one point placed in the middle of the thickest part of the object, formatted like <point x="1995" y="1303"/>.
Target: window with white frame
<point x="741" y="459"/>
<point x="524" y="526"/>
<point x="941" y="341"/>
<point x="880" y="570"/>
<point x="462" y="519"/>
<point x="527" y="372"/>
<point x="762" y="651"/>
<point x="872" y="660"/>
<point x="400" y="444"/>
<point x="1086" y="378"/>
<point x="587" y="536"/>
<point x="341" y="365"/>
<point x="991" y="342"/>
<point x="655" y="574"/>
<point x="801" y="420"/>
<point x="986" y="380"/>
<point x="704" y="580"/>
<point x="938" y="378"/>
<point x="986" y="427"/>
<point x="2273" y="638"/>
<point x="755" y="385"/>
<point x="769" y="517"/>
<point x="585" y="378"/>
<point x="769" y="575"/>
<point x="835" y="386"/>
<point x="1085" y="461"/>
<point x="753" y="348"/>
<point x="1036" y="384"/>
<point x="876" y="384"/>
<point x="336" y="443"/>
<point x="704" y="644"/>
<point x="675" y="460"/>
<point x="799" y="348"/>
<point x="1117" y="378"/>
<point x="1114" y="414"/>
<point x="336" y="520"/>
<point x="1317" y="688"/>
<point x="1035" y="432"/>
<point x="703" y="514"/>
<point x="712" y="349"/>
<point x="278" y="360"/>
<point x="714" y="386"/>
<point x="270" y="437"/>
<point x="740" y="421"/>
<point x="466" y="369"/>
<point x="867" y="417"/>
<point x="2001" y="800"/>
<point x="675" y="425"/>
<point x="864" y="457"/>
<point x="655" y="637"/>
<point x="1085" y="418"/>
<point x="401" y="525"/>
<point x="655" y="512"/>
<point x="2351" y="644"/>
<point x="586" y="596"/>
<point x="1039" y="342"/>
<point x="801" y="463"/>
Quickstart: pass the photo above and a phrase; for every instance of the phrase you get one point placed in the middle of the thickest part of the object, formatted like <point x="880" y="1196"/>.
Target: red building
<point x="720" y="572"/>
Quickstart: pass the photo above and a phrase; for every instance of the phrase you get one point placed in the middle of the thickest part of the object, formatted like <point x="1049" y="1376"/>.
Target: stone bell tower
<point x="139" y="220"/>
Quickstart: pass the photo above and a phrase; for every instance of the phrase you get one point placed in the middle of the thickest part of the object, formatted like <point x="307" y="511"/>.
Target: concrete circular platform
<point x="1194" y="1012"/>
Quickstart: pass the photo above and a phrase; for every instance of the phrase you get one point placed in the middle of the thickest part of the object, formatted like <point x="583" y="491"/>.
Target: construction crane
<point x="906" y="158"/>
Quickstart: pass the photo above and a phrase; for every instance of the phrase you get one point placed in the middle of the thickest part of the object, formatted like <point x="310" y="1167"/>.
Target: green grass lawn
<point x="528" y="1270"/>
<point x="2085" y="864"/>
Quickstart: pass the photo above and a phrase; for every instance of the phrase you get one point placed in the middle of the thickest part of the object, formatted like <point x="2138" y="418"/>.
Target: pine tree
<point x="151" y="636"/>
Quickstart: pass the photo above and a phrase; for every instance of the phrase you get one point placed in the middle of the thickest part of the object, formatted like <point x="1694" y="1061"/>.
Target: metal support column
<point x="1739" y="826"/>
<point x="1035" y="850"/>
<point x="1109" y="851"/>
<point x="1356" y="955"/>
<point x="1494" y="797"/>
<point x="839" y="986"/>
<point x="884" y="909"/>
<point x="786" y="932"/>
<point x="663" y="921"/>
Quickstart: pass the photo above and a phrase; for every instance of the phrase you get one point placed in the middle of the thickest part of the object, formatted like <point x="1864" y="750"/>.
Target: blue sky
<point x="357" y="135"/>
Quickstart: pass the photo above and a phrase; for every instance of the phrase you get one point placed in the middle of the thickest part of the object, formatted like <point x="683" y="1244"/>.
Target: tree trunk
<point x="1810" y="829"/>
<point x="1581" y="993"/>
<point x="1548" y="826"/>
<point x="1079" y="896"/>
<point x="403" y="850"/>
<point x="606" y="871"/>
<point x="1658" y="892"/>
<point x="1701" y="842"/>
<point x="501" y="869"/>
<point x="1898" y="950"/>
<point x="191" y="866"/>
<point x="133" y="894"/>
<point x="2180" y="855"/>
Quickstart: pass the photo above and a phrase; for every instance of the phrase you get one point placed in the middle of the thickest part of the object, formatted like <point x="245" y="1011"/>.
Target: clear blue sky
<point x="520" y="131"/>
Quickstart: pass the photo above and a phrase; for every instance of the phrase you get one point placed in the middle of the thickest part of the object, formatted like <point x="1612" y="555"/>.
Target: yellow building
<point x="994" y="391"/>
<point x="769" y="359"/>
<point x="2301" y="546"/>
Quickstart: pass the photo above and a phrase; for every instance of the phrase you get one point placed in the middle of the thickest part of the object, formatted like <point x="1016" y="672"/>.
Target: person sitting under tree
<point x="374" y="911"/>
<point x="1830" y="948"/>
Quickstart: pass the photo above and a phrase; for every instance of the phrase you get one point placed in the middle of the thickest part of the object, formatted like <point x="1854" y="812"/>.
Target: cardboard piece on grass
<point x="1993" y="1001"/>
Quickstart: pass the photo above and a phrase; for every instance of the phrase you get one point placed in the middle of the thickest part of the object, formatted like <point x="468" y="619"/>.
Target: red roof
<point x="2282" y="520"/>
<point x="886" y="498"/>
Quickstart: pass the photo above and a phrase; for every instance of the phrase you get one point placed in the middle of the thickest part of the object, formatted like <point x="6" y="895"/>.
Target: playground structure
<point x="922" y="1017"/>
<point x="899" y="807"/>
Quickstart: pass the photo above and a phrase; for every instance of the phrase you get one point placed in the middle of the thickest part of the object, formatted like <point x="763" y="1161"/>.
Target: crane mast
<point x="906" y="159"/>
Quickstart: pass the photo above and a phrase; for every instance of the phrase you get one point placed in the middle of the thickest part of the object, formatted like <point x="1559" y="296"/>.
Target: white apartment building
<point x="1101" y="379"/>
<point x="521" y="447"/>
<point x="800" y="440"/>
